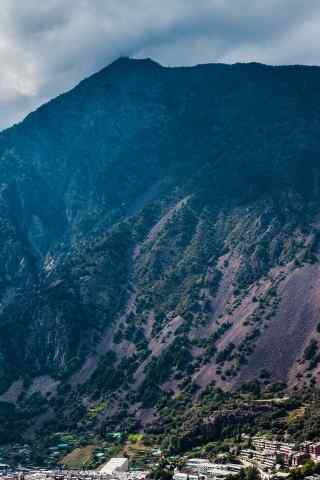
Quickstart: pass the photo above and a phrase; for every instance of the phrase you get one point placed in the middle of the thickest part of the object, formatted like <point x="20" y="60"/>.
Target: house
<point x="298" y="458"/>
<point x="314" y="449"/>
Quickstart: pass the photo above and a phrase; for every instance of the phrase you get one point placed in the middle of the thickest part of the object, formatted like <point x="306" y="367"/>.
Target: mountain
<point x="160" y="236"/>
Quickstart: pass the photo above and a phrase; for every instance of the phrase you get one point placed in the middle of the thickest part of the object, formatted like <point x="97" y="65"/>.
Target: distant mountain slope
<point x="159" y="233"/>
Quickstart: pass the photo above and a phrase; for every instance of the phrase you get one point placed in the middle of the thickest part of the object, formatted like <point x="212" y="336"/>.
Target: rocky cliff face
<point x="160" y="233"/>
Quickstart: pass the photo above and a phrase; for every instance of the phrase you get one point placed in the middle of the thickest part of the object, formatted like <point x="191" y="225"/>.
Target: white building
<point x="115" y="465"/>
<point x="180" y="476"/>
<point x="215" y="471"/>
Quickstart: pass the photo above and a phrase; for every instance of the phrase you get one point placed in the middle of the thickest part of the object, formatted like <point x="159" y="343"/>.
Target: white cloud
<point x="47" y="47"/>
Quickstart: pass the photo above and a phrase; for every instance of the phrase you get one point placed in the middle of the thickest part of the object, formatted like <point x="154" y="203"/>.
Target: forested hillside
<point x="159" y="237"/>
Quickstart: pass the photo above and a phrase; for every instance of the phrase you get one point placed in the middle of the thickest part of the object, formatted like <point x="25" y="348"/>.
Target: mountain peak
<point x="129" y="61"/>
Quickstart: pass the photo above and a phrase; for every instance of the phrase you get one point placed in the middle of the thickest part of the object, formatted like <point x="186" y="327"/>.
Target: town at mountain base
<point x="267" y="458"/>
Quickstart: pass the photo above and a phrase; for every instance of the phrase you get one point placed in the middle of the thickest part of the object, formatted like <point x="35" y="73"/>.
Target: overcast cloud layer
<point x="46" y="47"/>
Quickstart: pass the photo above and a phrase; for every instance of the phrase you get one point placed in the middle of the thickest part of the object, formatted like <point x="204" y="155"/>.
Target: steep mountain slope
<point x="160" y="234"/>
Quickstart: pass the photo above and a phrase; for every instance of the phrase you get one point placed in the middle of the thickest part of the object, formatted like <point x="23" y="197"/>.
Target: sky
<point x="47" y="47"/>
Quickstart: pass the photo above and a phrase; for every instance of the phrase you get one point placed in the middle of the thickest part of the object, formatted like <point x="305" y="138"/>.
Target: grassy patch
<point x="96" y="409"/>
<point x="79" y="457"/>
<point x="135" y="437"/>
<point x="295" y="414"/>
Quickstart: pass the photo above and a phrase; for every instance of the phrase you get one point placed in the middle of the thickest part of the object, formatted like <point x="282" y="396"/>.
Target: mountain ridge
<point x="157" y="226"/>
